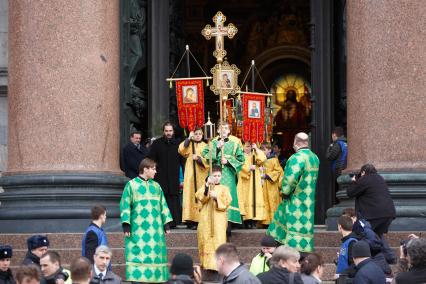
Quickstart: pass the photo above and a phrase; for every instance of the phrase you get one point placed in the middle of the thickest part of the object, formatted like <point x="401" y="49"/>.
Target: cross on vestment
<point x="219" y="31"/>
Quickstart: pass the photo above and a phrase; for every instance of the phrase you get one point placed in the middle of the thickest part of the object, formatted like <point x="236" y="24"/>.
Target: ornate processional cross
<point x="220" y="86"/>
<point x="219" y="32"/>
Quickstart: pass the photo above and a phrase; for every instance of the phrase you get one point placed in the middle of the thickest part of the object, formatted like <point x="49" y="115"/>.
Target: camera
<point x="404" y="244"/>
<point x="357" y="175"/>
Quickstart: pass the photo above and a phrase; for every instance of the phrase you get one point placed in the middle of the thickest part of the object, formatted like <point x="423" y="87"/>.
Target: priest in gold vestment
<point x="194" y="143"/>
<point x="272" y="174"/>
<point x="215" y="199"/>
<point x="250" y="193"/>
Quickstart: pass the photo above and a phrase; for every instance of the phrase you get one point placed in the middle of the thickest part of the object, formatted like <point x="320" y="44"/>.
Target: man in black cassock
<point x="164" y="151"/>
<point x="132" y="155"/>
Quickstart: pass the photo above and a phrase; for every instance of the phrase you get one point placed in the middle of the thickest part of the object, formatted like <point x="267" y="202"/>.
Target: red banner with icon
<point x="253" y="117"/>
<point x="190" y="103"/>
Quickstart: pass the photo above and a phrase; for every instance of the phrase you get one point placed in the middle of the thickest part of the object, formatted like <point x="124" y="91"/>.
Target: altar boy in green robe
<point x="293" y="222"/>
<point x="144" y="217"/>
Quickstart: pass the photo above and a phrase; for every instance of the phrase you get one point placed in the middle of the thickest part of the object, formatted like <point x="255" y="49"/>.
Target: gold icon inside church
<point x="292" y="109"/>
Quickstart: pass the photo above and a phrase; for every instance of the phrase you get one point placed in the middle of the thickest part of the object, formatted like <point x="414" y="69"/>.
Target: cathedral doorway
<point x="283" y="37"/>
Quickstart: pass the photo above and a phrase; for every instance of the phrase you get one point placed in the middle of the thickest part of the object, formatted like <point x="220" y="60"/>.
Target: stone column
<point x="158" y="65"/>
<point x="63" y="153"/>
<point x="3" y="84"/>
<point x="322" y="90"/>
<point x="386" y="102"/>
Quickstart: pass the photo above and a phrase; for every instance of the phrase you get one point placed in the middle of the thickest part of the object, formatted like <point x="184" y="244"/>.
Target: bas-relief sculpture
<point x="136" y="100"/>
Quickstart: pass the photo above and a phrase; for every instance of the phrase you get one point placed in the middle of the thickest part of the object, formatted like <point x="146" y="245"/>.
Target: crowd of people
<point x="227" y="183"/>
<point x="359" y="261"/>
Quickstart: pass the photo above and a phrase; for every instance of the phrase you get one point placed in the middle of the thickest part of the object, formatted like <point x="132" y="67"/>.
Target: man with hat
<point x="182" y="270"/>
<point x="366" y="270"/>
<point x="6" y="276"/>
<point x="37" y="246"/>
<point x="260" y="262"/>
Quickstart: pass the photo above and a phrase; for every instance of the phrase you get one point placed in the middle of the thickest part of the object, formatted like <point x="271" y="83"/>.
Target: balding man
<point x="293" y="222"/>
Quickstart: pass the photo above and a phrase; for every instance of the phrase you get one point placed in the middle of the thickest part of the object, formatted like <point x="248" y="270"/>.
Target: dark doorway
<point x="304" y="39"/>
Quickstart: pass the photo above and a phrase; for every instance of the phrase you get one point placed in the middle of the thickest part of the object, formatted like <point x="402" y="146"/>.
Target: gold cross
<point x="219" y="31"/>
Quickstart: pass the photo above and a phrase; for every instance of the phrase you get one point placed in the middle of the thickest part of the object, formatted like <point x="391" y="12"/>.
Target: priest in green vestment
<point x="144" y="217"/>
<point x="231" y="161"/>
<point x="293" y="222"/>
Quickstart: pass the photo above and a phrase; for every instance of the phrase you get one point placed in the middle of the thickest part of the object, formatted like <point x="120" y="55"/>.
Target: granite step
<point x="68" y="246"/>
<point x="183" y="237"/>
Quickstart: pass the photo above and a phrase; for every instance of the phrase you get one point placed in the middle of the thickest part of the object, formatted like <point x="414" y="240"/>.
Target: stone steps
<point x="68" y="246"/>
<point x="183" y="237"/>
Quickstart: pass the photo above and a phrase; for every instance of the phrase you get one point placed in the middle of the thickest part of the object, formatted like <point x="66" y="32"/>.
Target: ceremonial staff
<point x="254" y="150"/>
<point x="209" y="133"/>
<point x="254" y="183"/>
<point x="194" y="168"/>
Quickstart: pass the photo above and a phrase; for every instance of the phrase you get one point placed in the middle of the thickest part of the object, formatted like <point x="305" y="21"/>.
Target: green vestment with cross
<point x="144" y="207"/>
<point x="233" y="152"/>
<point x="293" y="222"/>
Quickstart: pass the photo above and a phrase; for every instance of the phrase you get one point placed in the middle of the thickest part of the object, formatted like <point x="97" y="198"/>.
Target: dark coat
<point x="109" y="278"/>
<point x="367" y="272"/>
<point x="6" y="277"/>
<point x="279" y="275"/>
<point x="181" y="279"/>
<point x="131" y="157"/>
<point x="31" y="258"/>
<point x="240" y="275"/>
<point x="334" y="153"/>
<point x="165" y="153"/>
<point x="59" y="274"/>
<point x="414" y="276"/>
<point x="309" y="279"/>
<point x="370" y="191"/>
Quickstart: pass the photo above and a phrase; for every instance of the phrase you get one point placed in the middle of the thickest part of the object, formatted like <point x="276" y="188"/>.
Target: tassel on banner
<point x="170" y="84"/>
<point x="207" y="83"/>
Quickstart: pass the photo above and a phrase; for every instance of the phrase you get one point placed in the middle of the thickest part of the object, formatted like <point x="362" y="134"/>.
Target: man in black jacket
<point x="164" y="151"/>
<point x="132" y="155"/>
<point x="6" y="276"/>
<point x="370" y="190"/>
<point x="37" y="246"/>
<point x="229" y="266"/>
<point x="51" y="269"/>
<point x="337" y="151"/>
<point x="337" y="154"/>
<point x="366" y="270"/>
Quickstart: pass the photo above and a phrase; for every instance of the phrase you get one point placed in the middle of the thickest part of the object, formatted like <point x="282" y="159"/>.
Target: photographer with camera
<point x="412" y="262"/>
<point x="370" y="189"/>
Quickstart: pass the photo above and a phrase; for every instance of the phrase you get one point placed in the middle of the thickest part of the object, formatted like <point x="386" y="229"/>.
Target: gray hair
<point x="104" y="249"/>
<point x="283" y="253"/>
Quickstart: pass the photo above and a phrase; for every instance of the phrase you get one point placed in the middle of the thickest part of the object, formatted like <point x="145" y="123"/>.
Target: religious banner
<point x="253" y="117"/>
<point x="190" y="103"/>
<point x="229" y="112"/>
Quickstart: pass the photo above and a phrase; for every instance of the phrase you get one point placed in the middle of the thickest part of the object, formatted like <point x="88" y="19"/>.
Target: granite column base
<point x="408" y="191"/>
<point x="50" y="203"/>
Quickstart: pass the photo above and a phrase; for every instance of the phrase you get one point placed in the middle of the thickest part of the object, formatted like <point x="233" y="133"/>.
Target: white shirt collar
<point x="97" y="271"/>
